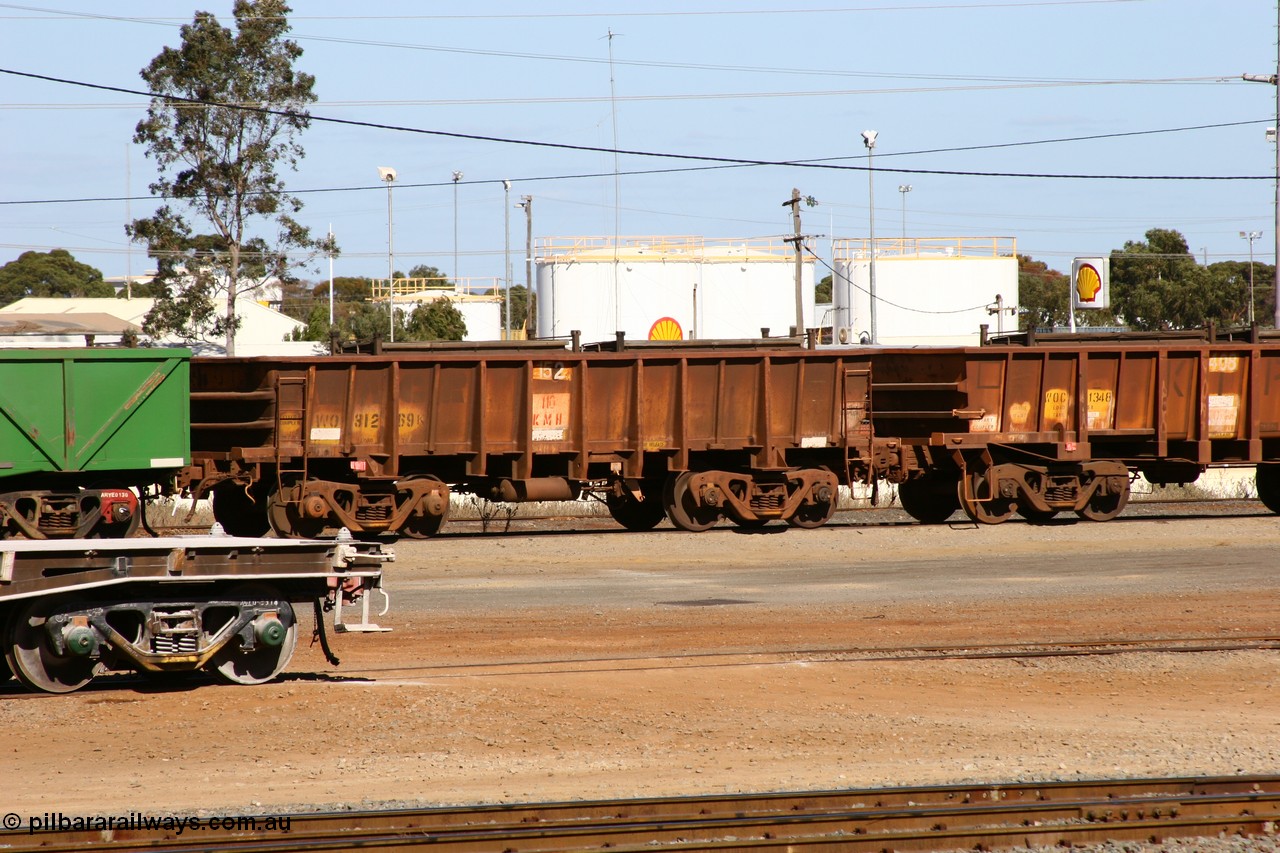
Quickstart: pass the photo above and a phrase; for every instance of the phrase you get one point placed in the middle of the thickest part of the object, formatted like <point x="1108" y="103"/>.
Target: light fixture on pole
<point x="1250" y="236"/>
<point x="388" y="174"/>
<point x="869" y="140"/>
<point x="904" y="189"/>
<point x="457" y="176"/>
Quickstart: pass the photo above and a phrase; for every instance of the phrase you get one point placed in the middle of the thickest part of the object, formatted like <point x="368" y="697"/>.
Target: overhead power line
<point x="642" y="63"/>
<point x="719" y="162"/>
<point x="685" y="13"/>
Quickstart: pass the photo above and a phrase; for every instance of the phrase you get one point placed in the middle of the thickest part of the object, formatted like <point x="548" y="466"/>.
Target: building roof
<point x="64" y="324"/>
<point x="262" y="329"/>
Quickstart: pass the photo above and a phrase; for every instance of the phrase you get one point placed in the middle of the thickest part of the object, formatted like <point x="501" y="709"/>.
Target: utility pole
<point x="797" y="243"/>
<point x="1272" y="79"/>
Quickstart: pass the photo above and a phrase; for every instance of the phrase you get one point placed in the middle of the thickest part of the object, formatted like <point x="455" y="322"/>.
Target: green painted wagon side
<point x="68" y="411"/>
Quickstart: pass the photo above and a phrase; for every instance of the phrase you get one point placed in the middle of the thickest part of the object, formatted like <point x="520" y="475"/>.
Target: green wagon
<point x="81" y="431"/>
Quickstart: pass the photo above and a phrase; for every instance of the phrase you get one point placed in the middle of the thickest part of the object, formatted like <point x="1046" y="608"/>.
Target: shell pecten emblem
<point x="1088" y="284"/>
<point x="666" y="329"/>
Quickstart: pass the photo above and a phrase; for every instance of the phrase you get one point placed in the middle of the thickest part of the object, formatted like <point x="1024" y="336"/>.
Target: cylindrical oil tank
<point x="669" y="288"/>
<point x="934" y="291"/>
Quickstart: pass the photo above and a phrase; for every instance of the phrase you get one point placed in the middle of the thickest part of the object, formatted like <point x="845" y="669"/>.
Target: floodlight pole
<point x="526" y="202"/>
<point x="904" y="189"/>
<point x="506" y="249"/>
<point x="457" y="176"/>
<point x="869" y="140"/>
<point x="388" y="174"/>
<point x="1250" y="236"/>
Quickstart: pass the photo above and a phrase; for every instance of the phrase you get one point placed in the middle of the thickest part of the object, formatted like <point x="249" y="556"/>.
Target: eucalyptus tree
<point x="227" y="109"/>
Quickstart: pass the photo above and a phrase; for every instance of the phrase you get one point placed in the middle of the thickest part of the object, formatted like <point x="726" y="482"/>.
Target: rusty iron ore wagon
<point x="751" y="434"/>
<point x="1065" y="426"/>
<point x="378" y="443"/>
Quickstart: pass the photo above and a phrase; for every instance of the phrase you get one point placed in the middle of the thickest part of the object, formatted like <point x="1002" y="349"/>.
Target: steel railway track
<point x="739" y="658"/>
<point x="938" y="818"/>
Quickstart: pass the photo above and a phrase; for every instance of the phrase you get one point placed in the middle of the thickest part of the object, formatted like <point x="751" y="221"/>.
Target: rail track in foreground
<point x="952" y="817"/>
<point x="832" y="654"/>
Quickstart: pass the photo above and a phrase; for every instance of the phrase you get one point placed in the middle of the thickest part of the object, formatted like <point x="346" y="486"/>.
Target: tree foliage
<point x="522" y="314"/>
<point x="361" y="320"/>
<point x="1042" y="294"/>
<point x="53" y="273"/>
<point x="225" y="116"/>
<point x="1157" y="284"/>
<point x="822" y="291"/>
<point x="438" y="320"/>
<point x="426" y="271"/>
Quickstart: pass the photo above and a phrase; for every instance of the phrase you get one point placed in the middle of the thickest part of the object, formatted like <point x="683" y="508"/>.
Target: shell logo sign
<point x="666" y="329"/>
<point x="1090" y="283"/>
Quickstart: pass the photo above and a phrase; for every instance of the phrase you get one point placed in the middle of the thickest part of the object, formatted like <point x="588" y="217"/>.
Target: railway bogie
<point x="72" y="610"/>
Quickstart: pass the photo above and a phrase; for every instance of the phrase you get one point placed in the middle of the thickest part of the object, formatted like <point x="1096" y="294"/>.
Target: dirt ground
<point x="546" y="666"/>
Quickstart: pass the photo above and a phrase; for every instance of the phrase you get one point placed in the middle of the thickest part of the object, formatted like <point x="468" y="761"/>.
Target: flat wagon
<point x="72" y="609"/>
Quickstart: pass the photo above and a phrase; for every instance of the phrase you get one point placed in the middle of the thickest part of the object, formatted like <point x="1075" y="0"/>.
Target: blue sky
<point x="767" y="80"/>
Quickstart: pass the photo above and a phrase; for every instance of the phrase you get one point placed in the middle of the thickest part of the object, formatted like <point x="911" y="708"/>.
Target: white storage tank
<point x="663" y="288"/>
<point x="929" y="290"/>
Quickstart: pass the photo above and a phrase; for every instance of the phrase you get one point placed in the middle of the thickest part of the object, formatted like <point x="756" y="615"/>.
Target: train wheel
<point x="1105" y="507"/>
<point x="927" y="500"/>
<point x="683" y="511"/>
<point x="1035" y="516"/>
<point x="425" y="525"/>
<point x="811" y="515"/>
<point x="1267" y="480"/>
<point x="238" y="512"/>
<point x="288" y="522"/>
<point x="31" y="657"/>
<point x="639" y="515"/>
<point x="421" y="526"/>
<point x="993" y="511"/>
<point x="272" y="649"/>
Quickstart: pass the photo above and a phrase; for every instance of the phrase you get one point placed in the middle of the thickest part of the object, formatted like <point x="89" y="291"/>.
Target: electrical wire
<point x="721" y="162"/>
<point x="683" y="66"/>
<point x="931" y="7"/>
